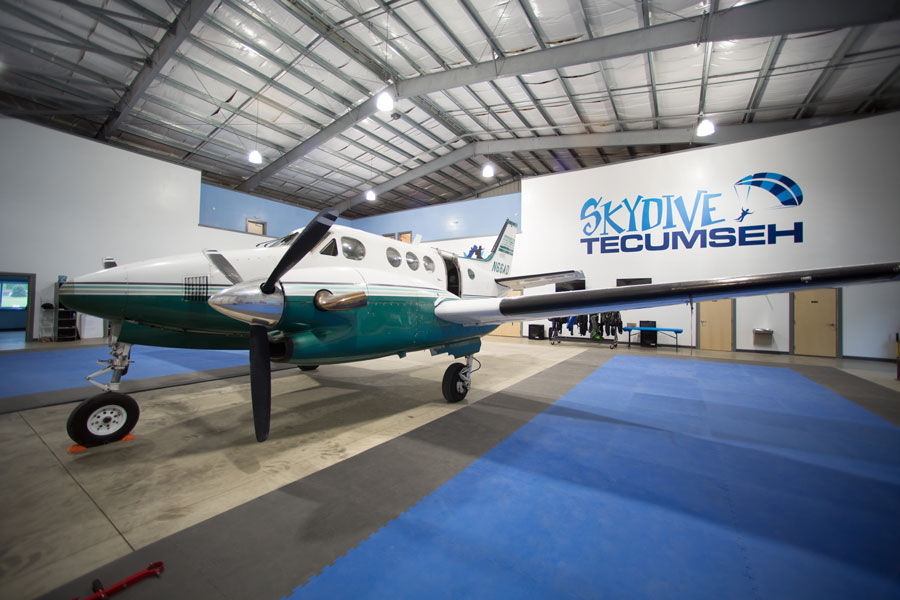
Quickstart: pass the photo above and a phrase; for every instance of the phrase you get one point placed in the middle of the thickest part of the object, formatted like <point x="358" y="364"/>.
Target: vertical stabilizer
<point x="502" y="253"/>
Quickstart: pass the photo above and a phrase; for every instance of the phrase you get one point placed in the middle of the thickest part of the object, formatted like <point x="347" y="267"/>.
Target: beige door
<point x="715" y="324"/>
<point x="815" y="322"/>
<point x="510" y="329"/>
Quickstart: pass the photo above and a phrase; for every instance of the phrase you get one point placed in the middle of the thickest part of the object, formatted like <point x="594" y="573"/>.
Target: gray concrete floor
<point x="194" y="456"/>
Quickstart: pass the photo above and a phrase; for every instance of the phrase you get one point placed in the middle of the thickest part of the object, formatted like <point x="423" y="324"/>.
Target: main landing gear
<point x="109" y="416"/>
<point x="458" y="379"/>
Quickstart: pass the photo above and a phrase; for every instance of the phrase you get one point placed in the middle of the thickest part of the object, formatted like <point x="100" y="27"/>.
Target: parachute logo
<point x="785" y="189"/>
<point x="781" y="186"/>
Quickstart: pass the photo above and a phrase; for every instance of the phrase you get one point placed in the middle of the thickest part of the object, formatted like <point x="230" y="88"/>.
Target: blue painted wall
<point x="470" y="218"/>
<point x="228" y="209"/>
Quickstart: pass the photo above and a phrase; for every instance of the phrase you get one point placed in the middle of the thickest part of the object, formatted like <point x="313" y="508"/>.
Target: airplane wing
<point x="539" y="306"/>
<point x="526" y="281"/>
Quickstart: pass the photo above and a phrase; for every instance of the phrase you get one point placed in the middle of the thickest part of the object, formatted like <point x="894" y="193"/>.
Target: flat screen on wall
<point x="13" y="295"/>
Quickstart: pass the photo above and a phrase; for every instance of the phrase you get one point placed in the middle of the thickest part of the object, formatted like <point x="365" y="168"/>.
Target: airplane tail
<point x="501" y="255"/>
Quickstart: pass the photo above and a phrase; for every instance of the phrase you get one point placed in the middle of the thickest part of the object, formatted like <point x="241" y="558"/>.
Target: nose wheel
<point x="104" y="418"/>
<point x="110" y="416"/>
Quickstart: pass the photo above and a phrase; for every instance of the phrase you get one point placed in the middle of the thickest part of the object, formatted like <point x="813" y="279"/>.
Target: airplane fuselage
<point x="164" y="302"/>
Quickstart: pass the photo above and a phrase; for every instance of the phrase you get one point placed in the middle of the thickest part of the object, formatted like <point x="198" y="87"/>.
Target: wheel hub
<point x="106" y="420"/>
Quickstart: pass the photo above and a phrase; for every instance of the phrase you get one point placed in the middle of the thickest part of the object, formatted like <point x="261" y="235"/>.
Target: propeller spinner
<point x="261" y="304"/>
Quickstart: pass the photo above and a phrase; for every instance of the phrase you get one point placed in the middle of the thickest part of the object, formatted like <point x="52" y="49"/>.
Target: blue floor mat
<point x="656" y="478"/>
<point x="45" y="371"/>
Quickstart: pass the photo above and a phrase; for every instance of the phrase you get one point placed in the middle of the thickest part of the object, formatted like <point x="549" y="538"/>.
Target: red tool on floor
<point x="101" y="592"/>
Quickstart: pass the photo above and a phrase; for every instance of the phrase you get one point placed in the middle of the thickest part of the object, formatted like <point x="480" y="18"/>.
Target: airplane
<point x="329" y="294"/>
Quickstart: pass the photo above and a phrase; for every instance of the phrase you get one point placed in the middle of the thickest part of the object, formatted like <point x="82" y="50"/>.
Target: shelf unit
<point x="65" y="321"/>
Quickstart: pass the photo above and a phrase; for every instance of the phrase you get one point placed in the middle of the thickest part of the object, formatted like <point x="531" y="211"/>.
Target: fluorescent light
<point x="705" y="128"/>
<point x="487" y="170"/>
<point x="370" y="195"/>
<point x="384" y="102"/>
<point x="255" y="157"/>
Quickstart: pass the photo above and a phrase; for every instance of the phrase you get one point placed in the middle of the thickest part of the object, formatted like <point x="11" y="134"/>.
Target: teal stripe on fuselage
<point x="396" y="319"/>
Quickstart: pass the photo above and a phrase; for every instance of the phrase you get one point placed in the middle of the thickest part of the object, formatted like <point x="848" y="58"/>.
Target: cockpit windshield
<point x="284" y="241"/>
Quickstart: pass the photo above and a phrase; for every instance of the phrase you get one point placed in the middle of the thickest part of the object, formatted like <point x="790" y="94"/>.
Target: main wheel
<point x="308" y="367"/>
<point x="104" y="418"/>
<point x="453" y="386"/>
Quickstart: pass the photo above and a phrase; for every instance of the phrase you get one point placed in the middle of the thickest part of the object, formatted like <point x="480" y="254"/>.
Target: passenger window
<point x="412" y="260"/>
<point x="353" y="248"/>
<point x="428" y="264"/>
<point x="394" y="257"/>
<point x="330" y="249"/>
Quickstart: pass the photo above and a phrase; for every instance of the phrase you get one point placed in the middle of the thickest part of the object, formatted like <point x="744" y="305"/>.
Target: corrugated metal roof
<point x="204" y="82"/>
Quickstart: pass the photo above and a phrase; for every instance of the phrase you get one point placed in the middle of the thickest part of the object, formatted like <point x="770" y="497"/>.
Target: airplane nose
<point x="102" y="294"/>
<point x="246" y="302"/>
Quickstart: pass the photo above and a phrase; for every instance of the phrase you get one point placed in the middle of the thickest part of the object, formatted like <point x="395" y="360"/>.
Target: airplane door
<point x="453" y="281"/>
<point x="816" y="322"/>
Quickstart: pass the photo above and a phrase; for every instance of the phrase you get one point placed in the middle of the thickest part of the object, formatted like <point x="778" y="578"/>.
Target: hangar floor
<point x="195" y="490"/>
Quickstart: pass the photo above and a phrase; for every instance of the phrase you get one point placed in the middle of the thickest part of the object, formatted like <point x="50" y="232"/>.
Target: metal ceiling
<point x="533" y="86"/>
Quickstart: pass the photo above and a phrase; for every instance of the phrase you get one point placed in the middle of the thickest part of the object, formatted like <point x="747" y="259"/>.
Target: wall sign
<point x="711" y="219"/>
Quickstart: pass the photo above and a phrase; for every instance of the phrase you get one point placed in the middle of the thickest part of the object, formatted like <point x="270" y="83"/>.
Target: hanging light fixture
<point x="487" y="171"/>
<point x="255" y="157"/>
<point x="705" y="128"/>
<point x="385" y="101"/>
<point x="371" y="195"/>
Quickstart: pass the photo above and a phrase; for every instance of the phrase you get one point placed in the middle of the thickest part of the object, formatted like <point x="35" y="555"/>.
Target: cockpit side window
<point x="353" y="248"/>
<point x="330" y="248"/>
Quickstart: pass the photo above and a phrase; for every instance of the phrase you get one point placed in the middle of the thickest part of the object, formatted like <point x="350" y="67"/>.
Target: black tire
<point x="308" y="367"/>
<point x="453" y="386"/>
<point x="101" y="419"/>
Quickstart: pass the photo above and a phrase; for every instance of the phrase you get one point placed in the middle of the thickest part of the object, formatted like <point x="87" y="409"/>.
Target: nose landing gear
<point x="109" y="416"/>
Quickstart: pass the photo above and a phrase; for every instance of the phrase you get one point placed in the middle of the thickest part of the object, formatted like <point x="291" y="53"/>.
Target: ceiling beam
<point x="723" y="135"/>
<point x="176" y="34"/>
<point x="759" y="19"/>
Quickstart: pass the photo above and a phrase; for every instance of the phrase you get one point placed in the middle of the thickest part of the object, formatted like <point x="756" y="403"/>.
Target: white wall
<point x="66" y="202"/>
<point x="850" y="214"/>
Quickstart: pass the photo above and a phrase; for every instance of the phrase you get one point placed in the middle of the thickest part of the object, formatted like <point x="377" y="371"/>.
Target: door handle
<point x="831" y="325"/>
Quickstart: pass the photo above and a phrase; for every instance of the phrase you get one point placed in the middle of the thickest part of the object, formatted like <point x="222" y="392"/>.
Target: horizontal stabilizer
<point x="526" y="281"/>
<point x="489" y="311"/>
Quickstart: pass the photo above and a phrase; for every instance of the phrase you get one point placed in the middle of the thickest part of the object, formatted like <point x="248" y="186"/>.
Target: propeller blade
<point x="311" y="235"/>
<point x="222" y="264"/>
<point x="260" y="381"/>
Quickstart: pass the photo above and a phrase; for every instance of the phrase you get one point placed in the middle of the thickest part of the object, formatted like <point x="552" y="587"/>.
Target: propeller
<point x="311" y="235"/>
<point x="260" y="380"/>
<point x="261" y="306"/>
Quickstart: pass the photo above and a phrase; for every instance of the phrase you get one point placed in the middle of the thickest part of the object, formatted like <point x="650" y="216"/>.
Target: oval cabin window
<point x="353" y="248"/>
<point x="394" y="257"/>
<point x="428" y="264"/>
<point x="412" y="260"/>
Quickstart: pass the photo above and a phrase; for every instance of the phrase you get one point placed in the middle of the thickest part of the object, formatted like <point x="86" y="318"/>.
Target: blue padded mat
<point x="656" y="478"/>
<point x="44" y="371"/>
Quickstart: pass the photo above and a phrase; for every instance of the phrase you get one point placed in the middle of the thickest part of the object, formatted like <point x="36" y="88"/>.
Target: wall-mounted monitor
<point x="13" y="294"/>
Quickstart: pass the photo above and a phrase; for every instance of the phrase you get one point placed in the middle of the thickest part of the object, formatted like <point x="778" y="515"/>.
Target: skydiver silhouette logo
<point x="744" y="213"/>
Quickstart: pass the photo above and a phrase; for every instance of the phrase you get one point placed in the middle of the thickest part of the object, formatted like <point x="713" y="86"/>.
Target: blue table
<point x="666" y="330"/>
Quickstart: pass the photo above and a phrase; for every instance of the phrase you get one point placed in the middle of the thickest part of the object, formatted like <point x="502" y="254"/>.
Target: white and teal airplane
<point x="328" y="294"/>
